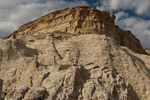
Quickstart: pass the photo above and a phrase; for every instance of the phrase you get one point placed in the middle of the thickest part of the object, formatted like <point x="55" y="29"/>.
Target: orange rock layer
<point x="81" y="20"/>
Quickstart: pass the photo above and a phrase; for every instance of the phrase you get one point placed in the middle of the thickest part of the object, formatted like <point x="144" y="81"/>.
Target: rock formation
<point x="91" y="59"/>
<point x="26" y="93"/>
<point x="81" y="20"/>
<point x="147" y="50"/>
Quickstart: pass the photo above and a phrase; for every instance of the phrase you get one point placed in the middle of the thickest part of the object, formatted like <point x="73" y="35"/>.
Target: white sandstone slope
<point x="83" y="67"/>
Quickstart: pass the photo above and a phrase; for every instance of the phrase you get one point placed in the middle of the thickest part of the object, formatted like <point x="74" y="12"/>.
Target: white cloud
<point x="18" y="12"/>
<point x="102" y="8"/>
<point x="121" y="15"/>
<point x="139" y="27"/>
<point x="141" y="7"/>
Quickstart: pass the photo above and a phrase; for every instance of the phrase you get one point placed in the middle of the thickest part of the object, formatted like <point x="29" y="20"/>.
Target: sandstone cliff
<point x="59" y="65"/>
<point x="81" y="20"/>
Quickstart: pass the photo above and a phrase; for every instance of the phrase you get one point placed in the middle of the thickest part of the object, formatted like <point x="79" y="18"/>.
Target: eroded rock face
<point x="12" y="48"/>
<point x="83" y="67"/>
<point x="81" y="20"/>
<point x="26" y="93"/>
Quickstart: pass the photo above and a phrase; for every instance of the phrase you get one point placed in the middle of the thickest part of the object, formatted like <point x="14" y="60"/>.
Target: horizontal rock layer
<point x="81" y="20"/>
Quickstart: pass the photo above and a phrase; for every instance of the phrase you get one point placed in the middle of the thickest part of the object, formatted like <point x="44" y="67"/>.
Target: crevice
<point x="93" y="91"/>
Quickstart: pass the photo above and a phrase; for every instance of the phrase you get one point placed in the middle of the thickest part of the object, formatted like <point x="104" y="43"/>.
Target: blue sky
<point x="131" y="15"/>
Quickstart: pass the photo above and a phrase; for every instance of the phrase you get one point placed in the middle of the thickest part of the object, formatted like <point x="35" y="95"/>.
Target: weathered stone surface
<point x="58" y="65"/>
<point x="81" y="20"/>
<point x="26" y="93"/>
<point x="97" y="68"/>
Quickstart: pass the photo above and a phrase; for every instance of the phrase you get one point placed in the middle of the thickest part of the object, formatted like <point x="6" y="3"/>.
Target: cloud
<point x="121" y="15"/>
<point x="102" y="8"/>
<point x="139" y="27"/>
<point x="18" y="12"/>
<point x="140" y="7"/>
